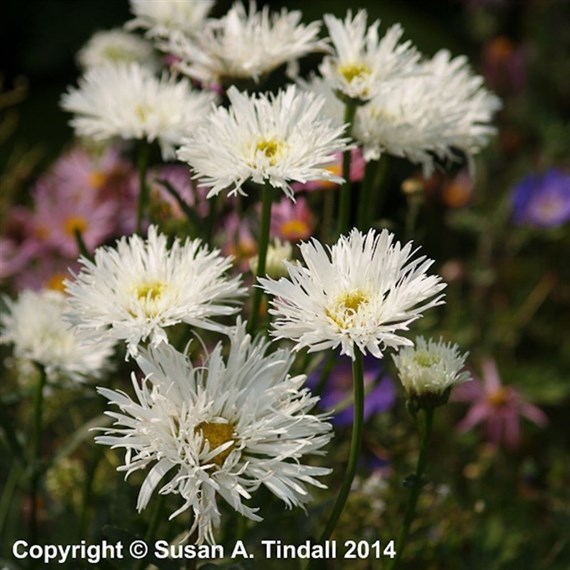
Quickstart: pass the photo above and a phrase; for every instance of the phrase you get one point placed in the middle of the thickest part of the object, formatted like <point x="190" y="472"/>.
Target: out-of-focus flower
<point x="359" y="294"/>
<point x="34" y="324"/>
<point x="357" y="165"/>
<point x="435" y="112"/>
<point x="429" y="370"/>
<point x="542" y="200"/>
<point x="244" y="45"/>
<point x="113" y="46"/>
<point x="274" y="139"/>
<point x="277" y="253"/>
<point x="239" y="242"/>
<point x="179" y="178"/>
<point x="292" y="221"/>
<point x="362" y="62"/>
<point x="166" y="16"/>
<point x="337" y="393"/>
<point x="58" y="215"/>
<point x="504" y="65"/>
<point x="499" y="408"/>
<point x="220" y="430"/>
<point x="127" y="101"/>
<point x="142" y="287"/>
<point x="457" y="192"/>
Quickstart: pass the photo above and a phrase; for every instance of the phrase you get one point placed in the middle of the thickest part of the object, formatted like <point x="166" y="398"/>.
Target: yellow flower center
<point x="498" y="398"/>
<point x="148" y="294"/>
<point x="97" y="178"/>
<point x="355" y="70"/>
<point x="293" y="230"/>
<point x="426" y="360"/>
<point x="73" y="223"/>
<point x="217" y="434"/>
<point x="55" y="282"/>
<point x="270" y="148"/>
<point x="346" y="307"/>
<point x="150" y="290"/>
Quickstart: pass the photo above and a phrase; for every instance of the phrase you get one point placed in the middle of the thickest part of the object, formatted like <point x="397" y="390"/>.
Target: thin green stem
<point x="365" y="193"/>
<point x="8" y="495"/>
<point x="212" y="213"/>
<point x="266" y="202"/>
<point x="356" y="441"/>
<point x="328" y="365"/>
<point x="142" y="164"/>
<point x="414" y="204"/>
<point x="10" y="433"/>
<point x="81" y="244"/>
<point x="344" y="202"/>
<point x="416" y="487"/>
<point x="36" y="450"/>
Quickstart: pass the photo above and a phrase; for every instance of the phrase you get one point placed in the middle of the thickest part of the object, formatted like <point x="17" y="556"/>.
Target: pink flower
<point x="292" y="221"/>
<point x="496" y="406"/>
<point x="356" y="173"/>
<point x="239" y="243"/>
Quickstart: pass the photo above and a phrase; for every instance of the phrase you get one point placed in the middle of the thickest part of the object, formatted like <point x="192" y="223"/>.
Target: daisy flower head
<point x="441" y="110"/>
<point x="114" y="46"/>
<point x="429" y="370"/>
<point x="127" y="101"/>
<point x="264" y="138"/>
<point x="359" y="294"/>
<point x="35" y="325"/>
<point x="136" y="291"/>
<point x="220" y="431"/>
<point x="244" y="45"/>
<point x="362" y="61"/>
<point x="159" y="18"/>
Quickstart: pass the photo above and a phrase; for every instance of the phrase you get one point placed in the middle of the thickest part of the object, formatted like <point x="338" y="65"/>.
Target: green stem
<point x="365" y="193"/>
<point x="344" y="204"/>
<point x="379" y="194"/>
<point x="356" y="441"/>
<point x="416" y="488"/>
<point x="266" y="202"/>
<point x="10" y="433"/>
<point x="142" y="164"/>
<point x="328" y="365"/>
<point x="8" y="495"/>
<point x="83" y="251"/>
<point x="36" y="454"/>
<point x="414" y="204"/>
<point x="213" y="202"/>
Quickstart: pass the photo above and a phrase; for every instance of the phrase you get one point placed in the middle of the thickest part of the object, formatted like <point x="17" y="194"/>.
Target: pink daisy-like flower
<point x="239" y="242"/>
<point x="499" y="408"/>
<point x="292" y="221"/>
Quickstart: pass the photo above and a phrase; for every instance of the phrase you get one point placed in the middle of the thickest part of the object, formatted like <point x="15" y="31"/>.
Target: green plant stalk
<point x="35" y="458"/>
<point x="144" y="190"/>
<point x="83" y="251"/>
<point x="416" y="489"/>
<point x="363" y="213"/>
<point x="8" y="494"/>
<point x="355" y="444"/>
<point x="414" y="205"/>
<point x="266" y="202"/>
<point x="344" y="201"/>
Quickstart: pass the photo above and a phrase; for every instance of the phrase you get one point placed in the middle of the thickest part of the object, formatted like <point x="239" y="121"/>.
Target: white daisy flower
<point x="333" y="107"/>
<point x="278" y="252"/>
<point x="35" y="325"/>
<point x="160" y="17"/>
<point x="359" y="294"/>
<point x="430" y="369"/>
<point x="441" y="110"/>
<point x="362" y="62"/>
<point x="244" y="46"/>
<point x="139" y="289"/>
<point x="114" y="46"/>
<point x="127" y="101"/>
<point x="278" y="138"/>
<point x="220" y="431"/>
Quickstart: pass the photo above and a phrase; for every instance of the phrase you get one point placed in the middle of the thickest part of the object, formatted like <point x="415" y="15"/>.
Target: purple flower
<point x="542" y="200"/>
<point x="380" y="392"/>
